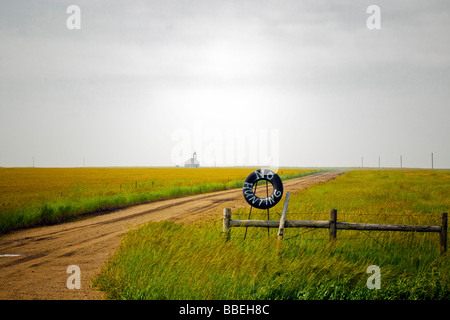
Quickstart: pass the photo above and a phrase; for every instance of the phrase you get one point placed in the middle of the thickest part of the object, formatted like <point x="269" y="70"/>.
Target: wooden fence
<point x="333" y="225"/>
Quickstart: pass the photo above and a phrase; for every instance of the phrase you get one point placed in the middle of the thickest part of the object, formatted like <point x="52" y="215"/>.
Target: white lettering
<point x="374" y="281"/>
<point x="374" y="20"/>
<point x="237" y="147"/>
<point x="196" y="310"/>
<point x="73" y="22"/>
<point x="245" y="309"/>
<point x="74" y="281"/>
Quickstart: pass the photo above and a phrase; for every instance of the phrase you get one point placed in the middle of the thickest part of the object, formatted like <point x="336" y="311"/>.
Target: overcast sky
<point x="147" y="82"/>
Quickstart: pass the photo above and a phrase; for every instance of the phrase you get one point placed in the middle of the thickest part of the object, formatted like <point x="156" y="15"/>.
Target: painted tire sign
<point x="269" y="201"/>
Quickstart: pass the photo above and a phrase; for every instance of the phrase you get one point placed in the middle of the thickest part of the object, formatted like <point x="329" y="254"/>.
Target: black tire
<point x="271" y="200"/>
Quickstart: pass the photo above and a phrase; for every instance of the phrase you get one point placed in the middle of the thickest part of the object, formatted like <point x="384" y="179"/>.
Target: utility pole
<point x="379" y="162"/>
<point x="401" y="162"/>
<point x="432" y="164"/>
<point x="362" y="162"/>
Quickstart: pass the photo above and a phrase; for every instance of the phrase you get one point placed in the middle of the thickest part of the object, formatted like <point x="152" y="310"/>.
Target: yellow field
<point x="81" y="190"/>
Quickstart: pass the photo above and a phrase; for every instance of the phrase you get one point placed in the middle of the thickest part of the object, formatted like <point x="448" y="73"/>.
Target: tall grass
<point x="173" y="261"/>
<point x="40" y="196"/>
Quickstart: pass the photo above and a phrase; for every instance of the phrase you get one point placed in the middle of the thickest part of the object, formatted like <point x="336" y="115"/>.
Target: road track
<point x="34" y="262"/>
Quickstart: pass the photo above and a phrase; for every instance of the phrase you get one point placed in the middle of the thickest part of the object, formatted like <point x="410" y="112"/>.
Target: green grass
<point x="166" y="260"/>
<point x="67" y="209"/>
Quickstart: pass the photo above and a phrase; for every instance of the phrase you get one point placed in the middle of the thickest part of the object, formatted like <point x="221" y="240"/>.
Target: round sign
<point x="271" y="200"/>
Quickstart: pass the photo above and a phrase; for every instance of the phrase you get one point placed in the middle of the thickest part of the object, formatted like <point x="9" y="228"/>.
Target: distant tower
<point x="192" y="162"/>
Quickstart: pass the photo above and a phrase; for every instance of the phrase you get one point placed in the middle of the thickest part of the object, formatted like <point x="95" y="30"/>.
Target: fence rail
<point x="333" y="225"/>
<point x="326" y="224"/>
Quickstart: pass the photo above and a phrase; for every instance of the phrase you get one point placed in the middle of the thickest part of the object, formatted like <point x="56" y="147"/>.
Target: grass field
<point x="166" y="260"/>
<point x="39" y="196"/>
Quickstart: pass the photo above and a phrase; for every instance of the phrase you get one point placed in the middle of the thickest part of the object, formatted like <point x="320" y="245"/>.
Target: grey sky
<point x="115" y="91"/>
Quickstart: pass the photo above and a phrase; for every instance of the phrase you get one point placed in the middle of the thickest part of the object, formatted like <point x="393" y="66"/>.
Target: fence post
<point x="226" y="222"/>
<point x="333" y="218"/>
<point x="443" y="235"/>
<point x="283" y="217"/>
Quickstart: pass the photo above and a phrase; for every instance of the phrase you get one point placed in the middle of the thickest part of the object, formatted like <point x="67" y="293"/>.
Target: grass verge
<point x="166" y="260"/>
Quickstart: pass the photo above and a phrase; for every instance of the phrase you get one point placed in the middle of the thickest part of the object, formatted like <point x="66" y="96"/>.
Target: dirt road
<point x="34" y="262"/>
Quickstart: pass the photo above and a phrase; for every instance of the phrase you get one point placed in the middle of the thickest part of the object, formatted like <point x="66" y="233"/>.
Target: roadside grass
<point x="166" y="260"/>
<point x="41" y="196"/>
